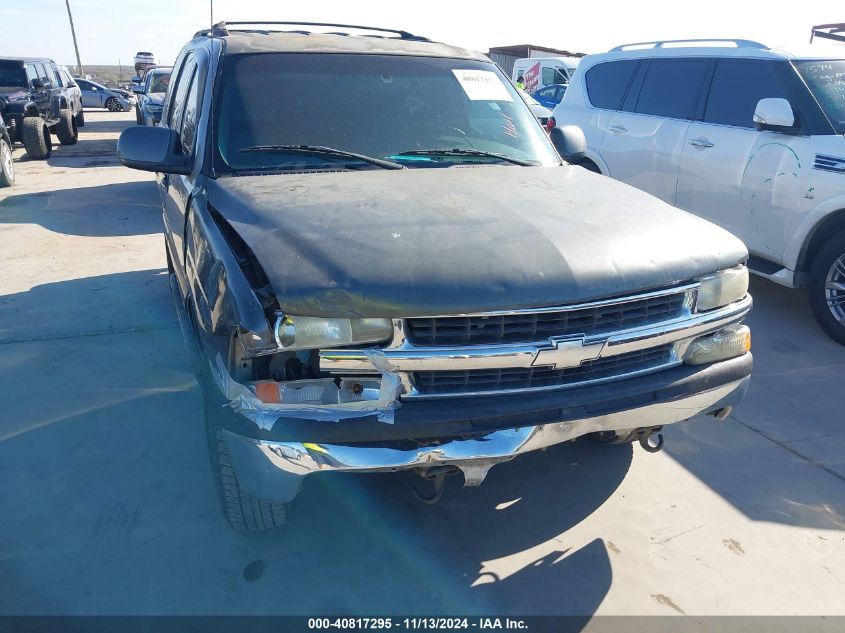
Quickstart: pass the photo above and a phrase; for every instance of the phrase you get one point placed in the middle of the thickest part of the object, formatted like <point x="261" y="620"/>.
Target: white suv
<point x="748" y="137"/>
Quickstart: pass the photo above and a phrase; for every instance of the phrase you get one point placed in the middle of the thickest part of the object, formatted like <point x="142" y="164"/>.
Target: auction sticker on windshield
<point x="482" y="85"/>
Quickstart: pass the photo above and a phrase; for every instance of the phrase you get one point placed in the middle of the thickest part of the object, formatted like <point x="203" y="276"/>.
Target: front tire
<point x="113" y="105"/>
<point x="80" y="118"/>
<point x="36" y="138"/>
<point x="66" y="128"/>
<point x="243" y="511"/>
<point x="7" y="165"/>
<point x="826" y="288"/>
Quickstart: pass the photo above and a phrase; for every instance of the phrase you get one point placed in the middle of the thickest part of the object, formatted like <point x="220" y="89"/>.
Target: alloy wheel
<point x="835" y="289"/>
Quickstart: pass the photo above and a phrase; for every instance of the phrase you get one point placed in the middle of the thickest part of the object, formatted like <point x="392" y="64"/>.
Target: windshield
<point x="826" y="79"/>
<point x="383" y="107"/>
<point x="12" y="75"/>
<point x="158" y="82"/>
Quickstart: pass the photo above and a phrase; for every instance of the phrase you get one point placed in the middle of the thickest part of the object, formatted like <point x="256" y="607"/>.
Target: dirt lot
<point x="107" y="503"/>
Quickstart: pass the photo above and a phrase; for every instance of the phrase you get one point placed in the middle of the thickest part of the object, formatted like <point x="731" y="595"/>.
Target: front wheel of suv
<point x="66" y="128"/>
<point x="7" y="165"/>
<point x="826" y="287"/>
<point x="243" y="511"/>
<point x="36" y="138"/>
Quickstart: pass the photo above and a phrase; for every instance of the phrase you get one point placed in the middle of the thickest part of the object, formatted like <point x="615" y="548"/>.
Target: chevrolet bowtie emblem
<point x="568" y="353"/>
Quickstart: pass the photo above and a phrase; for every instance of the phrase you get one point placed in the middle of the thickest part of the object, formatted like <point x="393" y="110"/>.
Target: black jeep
<point x="34" y="103"/>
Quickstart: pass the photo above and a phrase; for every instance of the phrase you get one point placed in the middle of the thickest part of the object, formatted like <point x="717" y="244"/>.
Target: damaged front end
<point x="292" y="395"/>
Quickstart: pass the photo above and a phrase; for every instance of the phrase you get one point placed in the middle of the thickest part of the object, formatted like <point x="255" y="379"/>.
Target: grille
<point x="451" y="382"/>
<point x="535" y="326"/>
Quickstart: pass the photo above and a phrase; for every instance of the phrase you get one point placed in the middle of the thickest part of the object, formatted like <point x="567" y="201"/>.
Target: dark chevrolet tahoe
<point x="382" y="263"/>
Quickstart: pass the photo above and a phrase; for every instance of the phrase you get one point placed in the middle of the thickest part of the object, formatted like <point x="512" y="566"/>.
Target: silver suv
<point x="745" y="136"/>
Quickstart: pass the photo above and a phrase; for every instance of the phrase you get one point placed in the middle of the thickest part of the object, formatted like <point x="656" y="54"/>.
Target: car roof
<point x="742" y="49"/>
<point x="26" y="59"/>
<point x="267" y="41"/>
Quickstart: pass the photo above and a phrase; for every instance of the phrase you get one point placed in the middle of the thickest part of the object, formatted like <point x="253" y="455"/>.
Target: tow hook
<point x="651" y="439"/>
<point x="437" y="476"/>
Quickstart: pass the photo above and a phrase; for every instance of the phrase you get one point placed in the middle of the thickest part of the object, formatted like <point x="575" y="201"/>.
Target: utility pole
<point x="73" y="33"/>
<point x="212" y="12"/>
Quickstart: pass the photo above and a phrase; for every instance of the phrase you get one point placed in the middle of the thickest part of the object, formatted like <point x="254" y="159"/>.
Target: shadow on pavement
<point x="794" y="400"/>
<point x="109" y="505"/>
<point x="116" y="123"/>
<point x="126" y="208"/>
<point x="137" y="300"/>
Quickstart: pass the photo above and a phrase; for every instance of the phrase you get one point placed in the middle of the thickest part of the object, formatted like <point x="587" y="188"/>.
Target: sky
<point x="111" y="31"/>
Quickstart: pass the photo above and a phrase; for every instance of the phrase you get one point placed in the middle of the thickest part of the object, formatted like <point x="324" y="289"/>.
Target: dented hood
<point x="454" y="240"/>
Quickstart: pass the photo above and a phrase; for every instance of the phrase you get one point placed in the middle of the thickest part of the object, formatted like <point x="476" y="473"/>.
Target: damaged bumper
<point x="274" y="469"/>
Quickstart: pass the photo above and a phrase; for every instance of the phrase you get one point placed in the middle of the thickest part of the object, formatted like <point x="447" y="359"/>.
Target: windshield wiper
<point x="320" y="150"/>
<point x="457" y="151"/>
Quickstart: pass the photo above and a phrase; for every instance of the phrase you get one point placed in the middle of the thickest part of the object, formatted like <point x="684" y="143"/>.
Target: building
<point x="505" y="56"/>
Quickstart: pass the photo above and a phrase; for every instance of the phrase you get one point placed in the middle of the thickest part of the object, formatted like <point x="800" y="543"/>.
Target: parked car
<point x="96" y="95"/>
<point x="34" y="103"/>
<point x="7" y="164"/>
<point x="355" y="305"/>
<point x="151" y="96"/>
<point x="74" y="94"/>
<point x="544" y="71"/>
<point x="747" y="137"/>
<point x="143" y="62"/>
<point x="550" y="96"/>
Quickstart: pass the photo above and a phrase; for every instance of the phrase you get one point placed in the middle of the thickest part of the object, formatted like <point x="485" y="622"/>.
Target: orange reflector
<point x="267" y="391"/>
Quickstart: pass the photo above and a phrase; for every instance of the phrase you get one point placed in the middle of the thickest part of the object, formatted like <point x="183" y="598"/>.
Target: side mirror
<point x="152" y="149"/>
<point x="37" y="83"/>
<point x="138" y="89"/>
<point x="773" y="114"/>
<point x="570" y="142"/>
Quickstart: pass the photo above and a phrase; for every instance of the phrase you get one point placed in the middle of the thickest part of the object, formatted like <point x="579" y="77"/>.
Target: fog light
<point x="733" y="341"/>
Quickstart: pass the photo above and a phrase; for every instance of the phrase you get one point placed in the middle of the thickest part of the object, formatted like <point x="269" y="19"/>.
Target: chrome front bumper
<point x="274" y="470"/>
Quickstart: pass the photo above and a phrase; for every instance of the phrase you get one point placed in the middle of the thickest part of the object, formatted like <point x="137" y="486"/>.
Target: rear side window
<point x="607" y="82"/>
<point x="736" y="88"/>
<point x="671" y="88"/>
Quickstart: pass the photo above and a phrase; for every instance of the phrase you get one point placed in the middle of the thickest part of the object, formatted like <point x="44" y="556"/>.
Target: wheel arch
<point x="832" y="224"/>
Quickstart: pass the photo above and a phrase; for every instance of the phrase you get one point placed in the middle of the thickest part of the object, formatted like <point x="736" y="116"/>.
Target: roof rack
<point x="662" y="43"/>
<point x="222" y="29"/>
<point x="828" y="32"/>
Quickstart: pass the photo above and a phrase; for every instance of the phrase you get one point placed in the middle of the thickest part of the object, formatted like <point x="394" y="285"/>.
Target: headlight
<point x="730" y="342"/>
<point x="295" y="332"/>
<point x="722" y="288"/>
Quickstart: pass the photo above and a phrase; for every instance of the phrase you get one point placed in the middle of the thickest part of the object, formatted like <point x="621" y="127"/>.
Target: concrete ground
<point x="107" y="505"/>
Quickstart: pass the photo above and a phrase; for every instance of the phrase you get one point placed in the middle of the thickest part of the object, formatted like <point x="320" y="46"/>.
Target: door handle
<point x="617" y="129"/>
<point x="701" y="142"/>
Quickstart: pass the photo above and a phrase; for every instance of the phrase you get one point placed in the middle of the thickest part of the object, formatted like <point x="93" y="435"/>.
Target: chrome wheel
<point x="835" y="289"/>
